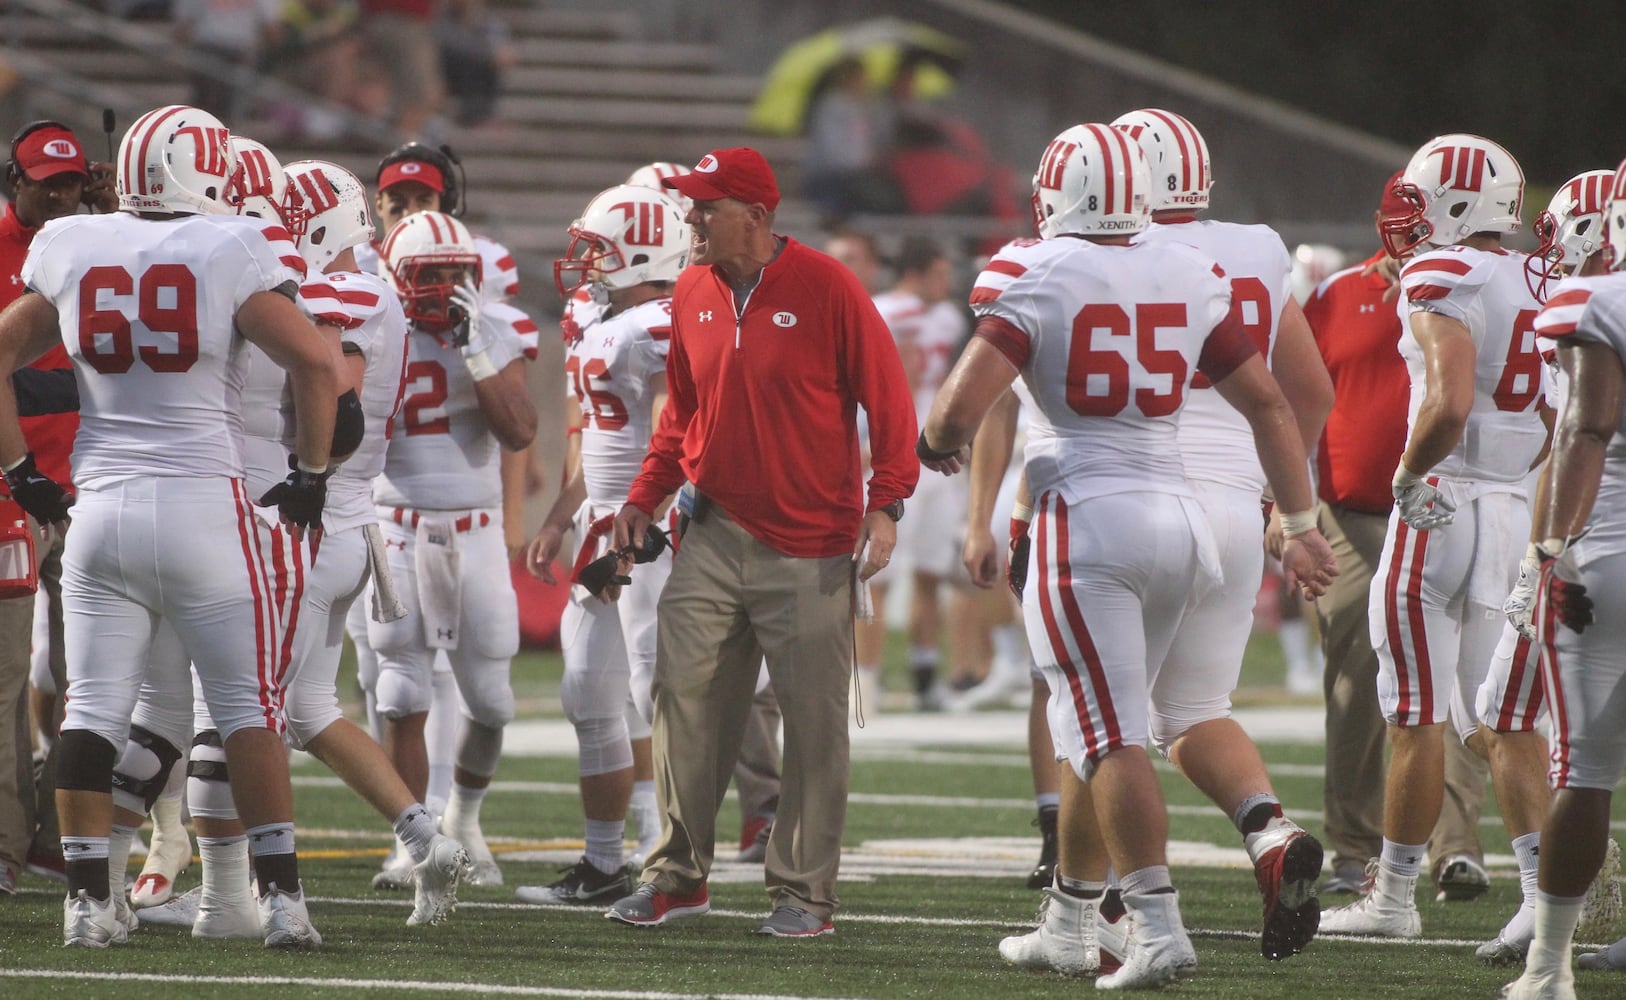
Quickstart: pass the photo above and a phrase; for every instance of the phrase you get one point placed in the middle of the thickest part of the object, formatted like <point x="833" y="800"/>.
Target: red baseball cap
<point x="416" y="171"/>
<point x="1392" y="205"/>
<point x="49" y="151"/>
<point x="740" y="173"/>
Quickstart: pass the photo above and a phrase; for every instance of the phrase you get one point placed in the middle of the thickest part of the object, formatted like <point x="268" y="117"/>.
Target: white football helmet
<point x="175" y="159"/>
<point x="652" y="174"/>
<point x="1614" y="218"/>
<point x="258" y="186"/>
<point x="626" y="236"/>
<point x="1570" y="231"/>
<point x="1457" y="185"/>
<point x="416" y="253"/>
<point x="327" y="204"/>
<point x="1176" y="155"/>
<point x="1092" y="180"/>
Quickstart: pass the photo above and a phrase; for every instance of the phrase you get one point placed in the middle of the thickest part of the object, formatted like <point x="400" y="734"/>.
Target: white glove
<point x="1421" y="506"/>
<point x="469" y="335"/>
<point x="1520" y="604"/>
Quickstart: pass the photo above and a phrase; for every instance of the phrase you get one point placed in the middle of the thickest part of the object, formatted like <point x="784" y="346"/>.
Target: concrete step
<point x="528" y="18"/>
<point x="117" y="64"/>
<point x="657" y="85"/>
<point x="615" y="113"/>
<point x="674" y="142"/>
<point x="549" y="52"/>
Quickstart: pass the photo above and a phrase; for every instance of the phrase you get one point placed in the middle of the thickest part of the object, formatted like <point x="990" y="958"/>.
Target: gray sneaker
<point x="648" y="906"/>
<point x="795" y="922"/>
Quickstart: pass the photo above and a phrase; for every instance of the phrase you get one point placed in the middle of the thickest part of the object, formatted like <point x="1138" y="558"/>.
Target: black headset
<point x="442" y="159"/>
<point x="13" y="174"/>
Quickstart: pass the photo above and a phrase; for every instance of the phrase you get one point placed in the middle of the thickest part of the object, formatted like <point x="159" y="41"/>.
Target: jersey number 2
<point x="416" y="404"/>
<point x="166" y="303"/>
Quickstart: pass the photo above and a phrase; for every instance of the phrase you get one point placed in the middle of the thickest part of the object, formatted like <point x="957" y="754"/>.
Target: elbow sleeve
<point x="348" y="425"/>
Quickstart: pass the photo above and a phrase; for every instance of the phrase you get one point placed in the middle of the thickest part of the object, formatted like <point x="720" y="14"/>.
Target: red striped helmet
<point x="626" y="236"/>
<point x="258" y="187"/>
<point x="328" y="205"/>
<point x="650" y="175"/>
<point x="1092" y="180"/>
<point x="175" y="159"/>
<point x="1570" y="231"/>
<point x="419" y="255"/>
<point x="1457" y="185"/>
<point x="1614" y="218"/>
<point x="1176" y="155"/>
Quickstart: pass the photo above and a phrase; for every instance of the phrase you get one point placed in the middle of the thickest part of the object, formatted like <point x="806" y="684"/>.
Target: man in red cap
<point x="1353" y="317"/>
<point x="47" y="176"/>
<point x="774" y="346"/>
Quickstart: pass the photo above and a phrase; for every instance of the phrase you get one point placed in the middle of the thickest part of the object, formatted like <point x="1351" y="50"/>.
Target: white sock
<point x="225" y="870"/>
<point x="415" y="829"/>
<point x="1403" y="859"/>
<point x="1294" y="636"/>
<point x="642" y="805"/>
<point x="1556" y="917"/>
<point x="118" y="856"/>
<point x="604" y="843"/>
<point x="1527" y="850"/>
<point x="1010" y="649"/>
<point x="463" y="812"/>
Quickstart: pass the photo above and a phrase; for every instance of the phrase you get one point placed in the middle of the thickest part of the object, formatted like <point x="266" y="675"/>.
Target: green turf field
<point x="938" y="843"/>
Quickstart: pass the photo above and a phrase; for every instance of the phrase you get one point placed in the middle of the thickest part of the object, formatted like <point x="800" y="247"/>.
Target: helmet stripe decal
<point x="1108" y="169"/>
<point x="134" y="173"/>
<point x="1128" y="156"/>
<point x="164" y="115"/>
<point x="1179" y="135"/>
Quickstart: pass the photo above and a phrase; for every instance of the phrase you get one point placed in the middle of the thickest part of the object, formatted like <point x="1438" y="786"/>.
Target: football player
<point x="1103" y="453"/>
<point x="629" y="246"/>
<point x="1477" y="425"/>
<point x="1577" y="552"/>
<point x="163" y="522"/>
<point x="439" y="502"/>
<point x="1191" y="700"/>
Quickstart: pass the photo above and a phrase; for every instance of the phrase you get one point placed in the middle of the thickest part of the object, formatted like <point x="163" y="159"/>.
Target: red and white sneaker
<point x="1286" y="864"/>
<point x="650" y="907"/>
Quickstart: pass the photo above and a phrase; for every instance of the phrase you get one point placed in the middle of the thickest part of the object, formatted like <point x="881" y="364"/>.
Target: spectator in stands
<point x="474" y="51"/>
<point x="400" y="37"/>
<point x="848" y="135"/>
<point x="232" y="34"/>
<point x="317" y="47"/>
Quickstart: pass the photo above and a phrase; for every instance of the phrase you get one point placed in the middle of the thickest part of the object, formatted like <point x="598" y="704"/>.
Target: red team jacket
<point x="50" y="437"/>
<point x="761" y="414"/>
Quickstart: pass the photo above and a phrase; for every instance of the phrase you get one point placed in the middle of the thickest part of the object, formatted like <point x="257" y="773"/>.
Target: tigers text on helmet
<point x="651" y="175"/>
<point x="1176" y="157"/>
<point x="328" y="205"/>
<point x="626" y="236"/>
<point x="175" y="159"/>
<point x="1092" y="181"/>
<point x="418" y="255"/>
<point x="1457" y="185"/>
<point x="258" y="186"/>
<point x="1570" y="231"/>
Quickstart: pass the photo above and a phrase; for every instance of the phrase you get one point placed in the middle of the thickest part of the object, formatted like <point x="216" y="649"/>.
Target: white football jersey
<point x="442" y="454"/>
<point x="147" y="310"/>
<point x="499" y="275"/>
<point x="1594" y="309"/>
<point x="1112" y="337"/>
<point x="1215" y="439"/>
<point x="369" y="317"/>
<point x="608" y="372"/>
<point x="1486" y="291"/>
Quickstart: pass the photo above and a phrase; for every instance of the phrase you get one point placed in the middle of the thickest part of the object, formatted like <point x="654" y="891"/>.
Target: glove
<point x="1421" y="505"/>
<point x="300" y="497"/>
<point x="602" y="572"/>
<point x="1016" y="571"/>
<point x="655" y="543"/>
<point x="464" y="311"/>
<point x="1568" y="601"/>
<point x="1520" y="604"/>
<point x="43" y="497"/>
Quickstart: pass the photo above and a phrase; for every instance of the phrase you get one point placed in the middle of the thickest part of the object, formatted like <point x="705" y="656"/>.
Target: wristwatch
<point x="894" y="510"/>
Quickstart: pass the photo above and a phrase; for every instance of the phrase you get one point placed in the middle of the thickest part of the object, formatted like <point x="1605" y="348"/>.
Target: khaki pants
<point x="19" y="815"/>
<point x="756" y="776"/>
<point x="1356" y="733"/>
<point x="731" y="600"/>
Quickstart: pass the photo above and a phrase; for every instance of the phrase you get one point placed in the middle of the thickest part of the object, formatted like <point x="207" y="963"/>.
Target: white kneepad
<point x="604" y="745"/>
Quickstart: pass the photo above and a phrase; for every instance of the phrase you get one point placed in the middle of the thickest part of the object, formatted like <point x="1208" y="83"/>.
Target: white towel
<point x="440" y="583"/>
<point x="386" y="604"/>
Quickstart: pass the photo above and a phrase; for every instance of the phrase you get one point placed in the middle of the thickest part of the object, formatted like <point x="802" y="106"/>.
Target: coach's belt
<point x="468" y="522"/>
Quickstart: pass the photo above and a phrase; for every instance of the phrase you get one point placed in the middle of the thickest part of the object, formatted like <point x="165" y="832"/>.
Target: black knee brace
<point x="148" y="789"/>
<point x="207" y="770"/>
<point x="85" y="762"/>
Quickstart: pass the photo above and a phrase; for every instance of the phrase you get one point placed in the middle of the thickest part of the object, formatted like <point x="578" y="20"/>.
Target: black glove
<point x="1569" y="601"/>
<point x="602" y="572"/>
<point x="300" y="497"/>
<point x="43" y="497"/>
<point x="654" y="544"/>
<point x="1016" y="571"/>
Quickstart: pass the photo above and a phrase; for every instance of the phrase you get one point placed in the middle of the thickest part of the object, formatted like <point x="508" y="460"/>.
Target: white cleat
<point x="1374" y="915"/>
<point x="88" y="922"/>
<point x="286" y="922"/>
<point x="396" y="872"/>
<point x="1513" y="941"/>
<point x="124" y="913"/>
<point x="1600" y="910"/>
<point x="486" y="872"/>
<point x="1558" y="986"/>
<point x="178" y="911"/>
<point x="171" y="853"/>
<point x="1159" y="951"/>
<point x="1065" y="940"/>
<point x="434" y="881"/>
<point x="227" y="919"/>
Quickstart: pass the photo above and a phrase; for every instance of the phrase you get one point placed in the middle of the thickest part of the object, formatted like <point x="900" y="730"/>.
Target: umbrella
<point x="884" y="45"/>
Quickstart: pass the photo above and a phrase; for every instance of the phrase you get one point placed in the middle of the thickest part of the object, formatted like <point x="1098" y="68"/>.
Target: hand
<point x="542" y="551"/>
<point x="467" y="333"/>
<point x="605" y="576"/>
<point x="881" y="533"/>
<point x="980" y="555"/>
<point x="1569" y="601"/>
<point x="946" y="462"/>
<point x="98" y="193"/>
<point x="1420" y="503"/>
<point x="1016" y="571"/>
<point x="1274" y="539"/>
<point x="631" y="528"/>
<point x="1308" y="563"/>
<point x="1520" y="604"/>
<point x="1387" y="268"/>
<point x="299" y="499"/>
<point x="42" y="497"/>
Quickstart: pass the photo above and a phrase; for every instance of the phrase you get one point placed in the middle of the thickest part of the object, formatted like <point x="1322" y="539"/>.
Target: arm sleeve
<point x="1228" y="346"/>
<point x="1007" y="338"/>
<point x="41" y="393"/>
<point x="662" y="471"/>
<point x="875" y="377"/>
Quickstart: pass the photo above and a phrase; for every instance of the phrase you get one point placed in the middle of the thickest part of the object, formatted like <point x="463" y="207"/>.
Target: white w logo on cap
<point x="707" y="164"/>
